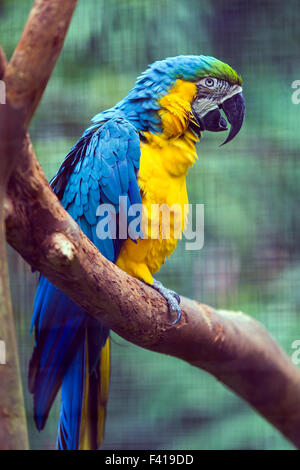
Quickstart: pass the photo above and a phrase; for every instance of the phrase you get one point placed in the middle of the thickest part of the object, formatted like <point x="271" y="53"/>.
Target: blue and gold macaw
<point x="141" y="149"/>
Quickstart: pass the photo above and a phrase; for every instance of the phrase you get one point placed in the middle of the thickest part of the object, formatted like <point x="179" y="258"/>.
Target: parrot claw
<point x="172" y="298"/>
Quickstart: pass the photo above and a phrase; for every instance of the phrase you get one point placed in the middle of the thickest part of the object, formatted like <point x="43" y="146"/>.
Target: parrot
<point x="140" y="149"/>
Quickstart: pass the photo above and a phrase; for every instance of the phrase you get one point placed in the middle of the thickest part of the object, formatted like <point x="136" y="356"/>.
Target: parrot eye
<point x="208" y="82"/>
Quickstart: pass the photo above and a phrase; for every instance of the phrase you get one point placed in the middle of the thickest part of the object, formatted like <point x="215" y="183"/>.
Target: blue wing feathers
<point x="100" y="168"/>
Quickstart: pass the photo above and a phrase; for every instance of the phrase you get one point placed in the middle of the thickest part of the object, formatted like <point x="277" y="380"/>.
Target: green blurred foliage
<point x="250" y="188"/>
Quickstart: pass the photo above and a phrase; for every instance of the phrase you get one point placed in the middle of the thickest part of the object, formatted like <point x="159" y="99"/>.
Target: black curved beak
<point x="234" y="109"/>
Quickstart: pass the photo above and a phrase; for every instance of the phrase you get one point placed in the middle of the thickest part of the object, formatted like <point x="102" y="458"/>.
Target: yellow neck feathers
<point x="176" y="142"/>
<point x="175" y="111"/>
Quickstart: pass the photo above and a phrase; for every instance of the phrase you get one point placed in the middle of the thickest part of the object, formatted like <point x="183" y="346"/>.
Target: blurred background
<point x="250" y="188"/>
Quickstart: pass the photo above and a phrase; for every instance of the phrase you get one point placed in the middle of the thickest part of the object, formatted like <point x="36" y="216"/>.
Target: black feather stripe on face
<point x="216" y="93"/>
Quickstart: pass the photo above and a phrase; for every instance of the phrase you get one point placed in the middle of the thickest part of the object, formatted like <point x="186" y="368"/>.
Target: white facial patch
<point x="234" y="90"/>
<point x="203" y="105"/>
<point x="214" y="96"/>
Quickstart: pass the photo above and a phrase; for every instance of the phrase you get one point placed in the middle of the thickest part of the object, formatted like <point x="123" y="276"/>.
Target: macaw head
<point x="219" y="89"/>
<point x="190" y="91"/>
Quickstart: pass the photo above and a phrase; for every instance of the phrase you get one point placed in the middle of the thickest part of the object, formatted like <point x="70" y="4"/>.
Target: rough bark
<point x="13" y="430"/>
<point x="25" y="77"/>
<point x="236" y="349"/>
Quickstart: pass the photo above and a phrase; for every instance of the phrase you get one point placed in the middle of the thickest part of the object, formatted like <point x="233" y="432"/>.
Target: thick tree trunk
<point x="13" y="430"/>
<point x="25" y="77"/>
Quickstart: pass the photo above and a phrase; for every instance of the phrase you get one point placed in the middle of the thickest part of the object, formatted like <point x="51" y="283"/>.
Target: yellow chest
<point x="162" y="182"/>
<point x="165" y="160"/>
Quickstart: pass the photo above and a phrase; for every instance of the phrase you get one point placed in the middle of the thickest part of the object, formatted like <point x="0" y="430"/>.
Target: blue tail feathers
<point x="65" y="337"/>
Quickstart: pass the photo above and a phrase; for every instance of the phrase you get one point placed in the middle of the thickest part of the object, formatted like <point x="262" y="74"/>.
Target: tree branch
<point x="25" y="77"/>
<point x="3" y="63"/>
<point x="13" y="430"/>
<point x="236" y="349"/>
<point x="36" y="54"/>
